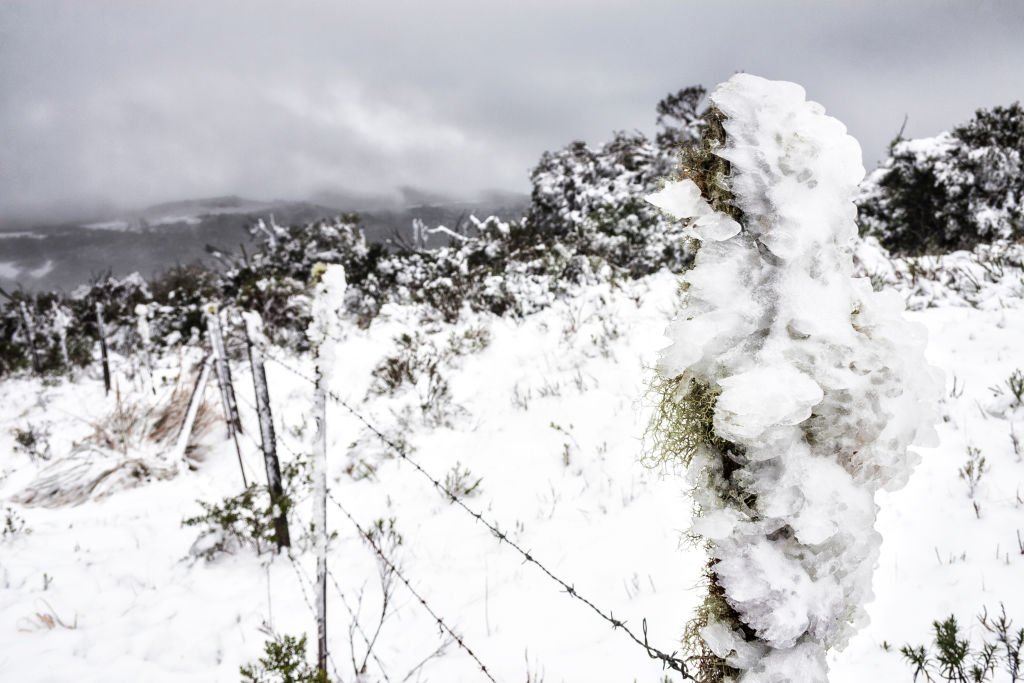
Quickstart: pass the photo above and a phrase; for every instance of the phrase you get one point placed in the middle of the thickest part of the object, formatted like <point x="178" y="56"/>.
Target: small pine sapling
<point x="283" y="661"/>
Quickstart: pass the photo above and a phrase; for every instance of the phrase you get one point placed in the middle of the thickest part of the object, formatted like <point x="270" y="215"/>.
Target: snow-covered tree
<point x="951" y="191"/>
<point x="791" y="390"/>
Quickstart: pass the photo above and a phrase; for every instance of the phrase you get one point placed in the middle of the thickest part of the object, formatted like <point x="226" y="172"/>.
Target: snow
<point x="20" y="234"/>
<point x="605" y="522"/>
<point x="116" y="225"/>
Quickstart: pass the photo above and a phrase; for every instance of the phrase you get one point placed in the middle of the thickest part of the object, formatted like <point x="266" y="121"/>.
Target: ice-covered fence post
<point x="61" y="322"/>
<point x="256" y="341"/>
<point x="227" y="389"/>
<point x="142" y="318"/>
<point x="30" y="332"/>
<point x="791" y="390"/>
<point x="101" y="330"/>
<point x="328" y="294"/>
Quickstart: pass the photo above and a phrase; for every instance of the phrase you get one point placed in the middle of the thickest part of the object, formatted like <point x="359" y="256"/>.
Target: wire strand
<point x="669" y="661"/>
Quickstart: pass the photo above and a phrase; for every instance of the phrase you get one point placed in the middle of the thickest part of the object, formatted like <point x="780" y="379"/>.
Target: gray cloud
<point x="132" y="103"/>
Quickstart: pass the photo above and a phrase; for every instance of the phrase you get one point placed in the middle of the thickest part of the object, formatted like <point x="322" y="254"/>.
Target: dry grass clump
<point x="125" y="449"/>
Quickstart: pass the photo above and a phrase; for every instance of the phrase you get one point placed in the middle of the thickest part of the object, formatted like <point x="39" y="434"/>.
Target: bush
<point x="956" y="660"/>
<point x="952" y="191"/>
<point x="284" y="661"/>
<point x="243" y="520"/>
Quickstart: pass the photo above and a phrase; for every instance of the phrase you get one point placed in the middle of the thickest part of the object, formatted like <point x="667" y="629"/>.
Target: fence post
<point x="193" y="408"/>
<point x="256" y="341"/>
<point x="142" y="316"/>
<point x="320" y="516"/>
<point x="227" y="390"/>
<point x="30" y="332"/>
<point x="329" y="290"/>
<point x="102" y="330"/>
<point x="61" y="320"/>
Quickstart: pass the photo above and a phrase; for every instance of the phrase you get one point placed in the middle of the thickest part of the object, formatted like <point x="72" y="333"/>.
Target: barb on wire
<point x="441" y="624"/>
<point x="669" y="661"/>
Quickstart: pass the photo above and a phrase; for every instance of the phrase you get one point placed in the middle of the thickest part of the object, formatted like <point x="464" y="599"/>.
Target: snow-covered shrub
<point x="119" y="297"/>
<point x="39" y="332"/>
<point x="952" y="191"/>
<point x="177" y="308"/>
<point x="791" y="389"/>
<point x="418" y="361"/>
<point x="274" y="280"/>
<point x="991" y="276"/>
<point x="14" y="525"/>
<point x="33" y="440"/>
<point x="247" y="519"/>
<point x="591" y="201"/>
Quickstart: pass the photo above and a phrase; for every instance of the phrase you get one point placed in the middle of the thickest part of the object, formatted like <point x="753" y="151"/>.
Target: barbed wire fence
<point x="670" y="661"/>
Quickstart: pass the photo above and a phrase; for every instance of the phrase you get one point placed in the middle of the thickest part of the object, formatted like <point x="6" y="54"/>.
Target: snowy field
<point x="549" y="416"/>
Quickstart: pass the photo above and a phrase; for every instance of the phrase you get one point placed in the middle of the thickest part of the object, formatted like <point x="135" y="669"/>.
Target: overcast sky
<point x="133" y="102"/>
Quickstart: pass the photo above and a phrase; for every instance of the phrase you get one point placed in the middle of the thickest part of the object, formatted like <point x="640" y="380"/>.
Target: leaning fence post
<point x="181" y="445"/>
<point x="329" y="288"/>
<point x="227" y="390"/>
<point x="256" y="341"/>
<point x="102" y="331"/>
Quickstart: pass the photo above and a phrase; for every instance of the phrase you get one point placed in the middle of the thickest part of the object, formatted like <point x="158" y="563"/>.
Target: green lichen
<point x="683" y="420"/>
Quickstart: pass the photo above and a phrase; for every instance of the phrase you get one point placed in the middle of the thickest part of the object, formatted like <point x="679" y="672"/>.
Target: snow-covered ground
<point x="550" y="416"/>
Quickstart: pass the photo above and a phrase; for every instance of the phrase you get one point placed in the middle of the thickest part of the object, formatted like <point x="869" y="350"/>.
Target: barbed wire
<point x="441" y="624"/>
<point x="358" y="626"/>
<point x="302" y="588"/>
<point x="669" y="661"/>
<point x="341" y="593"/>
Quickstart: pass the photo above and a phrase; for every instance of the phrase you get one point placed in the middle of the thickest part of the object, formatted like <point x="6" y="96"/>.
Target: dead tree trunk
<point x="256" y="341"/>
<point x="101" y="329"/>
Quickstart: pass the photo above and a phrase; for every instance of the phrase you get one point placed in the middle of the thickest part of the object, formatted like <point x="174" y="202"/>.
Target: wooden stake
<point x="227" y="390"/>
<point x="256" y="341"/>
<point x="30" y="332"/>
<point x="102" y="329"/>
<point x="320" y="515"/>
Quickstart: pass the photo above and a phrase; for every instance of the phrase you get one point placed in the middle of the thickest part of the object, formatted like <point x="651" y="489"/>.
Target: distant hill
<point x="64" y="255"/>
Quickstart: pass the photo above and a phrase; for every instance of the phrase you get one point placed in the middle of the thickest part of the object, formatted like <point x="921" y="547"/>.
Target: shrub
<point x="956" y="660"/>
<point x="283" y="661"/>
<point x="952" y="191"/>
<point x="247" y="519"/>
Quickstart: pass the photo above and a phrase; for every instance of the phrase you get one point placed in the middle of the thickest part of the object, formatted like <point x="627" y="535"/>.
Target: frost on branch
<point x="813" y="385"/>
